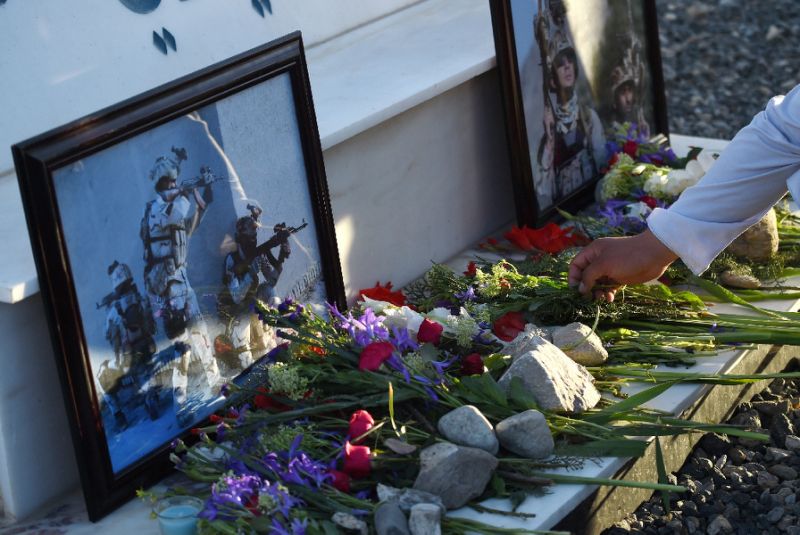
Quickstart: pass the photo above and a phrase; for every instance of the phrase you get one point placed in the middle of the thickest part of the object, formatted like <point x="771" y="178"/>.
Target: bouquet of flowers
<point x="429" y="400"/>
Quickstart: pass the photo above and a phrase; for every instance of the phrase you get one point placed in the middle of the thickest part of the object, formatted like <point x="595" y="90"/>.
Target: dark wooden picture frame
<point x="240" y="211"/>
<point x="560" y="171"/>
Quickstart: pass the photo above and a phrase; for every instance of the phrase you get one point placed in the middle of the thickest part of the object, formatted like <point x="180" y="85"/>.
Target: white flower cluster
<point x="677" y="180"/>
<point x="461" y="327"/>
<point x="286" y="380"/>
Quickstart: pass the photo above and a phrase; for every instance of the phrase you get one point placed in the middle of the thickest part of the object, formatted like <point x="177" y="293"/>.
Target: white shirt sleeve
<point x="752" y="174"/>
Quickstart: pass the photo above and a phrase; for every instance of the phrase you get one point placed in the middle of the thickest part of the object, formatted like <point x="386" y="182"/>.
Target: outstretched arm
<point x="752" y="174"/>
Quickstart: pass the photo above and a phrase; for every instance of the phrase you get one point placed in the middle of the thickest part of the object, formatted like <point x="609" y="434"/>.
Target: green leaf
<point x="497" y="361"/>
<point x="607" y="447"/>
<point x="662" y="475"/>
<point x="483" y="389"/>
<point x="517" y="498"/>
<point x="632" y="402"/>
<point x="728" y="296"/>
<point x="328" y="528"/>
<point x="498" y="485"/>
<point x="391" y="411"/>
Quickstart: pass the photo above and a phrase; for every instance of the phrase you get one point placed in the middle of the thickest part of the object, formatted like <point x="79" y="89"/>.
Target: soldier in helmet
<point x="626" y="89"/>
<point x="244" y="269"/>
<point x="168" y="222"/>
<point x="129" y="329"/>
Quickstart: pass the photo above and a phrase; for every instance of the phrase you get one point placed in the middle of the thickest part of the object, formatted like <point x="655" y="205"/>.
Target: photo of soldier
<point x="168" y="222"/>
<point x="250" y="272"/>
<point x="129" y="328"/>
<point x="572" y="148"/>
<point x="151" y="335"/>
<point x="627" y="81"/>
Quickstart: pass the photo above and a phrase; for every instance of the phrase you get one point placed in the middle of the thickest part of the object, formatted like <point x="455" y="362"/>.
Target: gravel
<point x="736" y="486"/>
<point x="724" y="59"/>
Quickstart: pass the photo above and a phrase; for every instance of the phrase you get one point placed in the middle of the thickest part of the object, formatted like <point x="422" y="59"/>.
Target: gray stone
<point x="526" y="434"/>
<point x="349" y="522"/>
<point x="777" y="454"/>
<point x="739" y="280"/>
<point x="467" y="426"/>
<point x="526" y="341"/>
<point x="783" y="471"/>
<point x="792" y="443"/>
<point x="580" y="344"/>
<point x="554" y="380"/>
<point x="425" y="519"/>
<point x="759" y="242"/>
<point x="390" y="520"/>
<point x="692" y="524"/>
<point x="749" y="419"/>
<point x="767" y="481"/>
<point x="455" y="473"/>
<point x="407" y="498"/>
<point x="719" y="524"/>
<point x="775" y="514"/>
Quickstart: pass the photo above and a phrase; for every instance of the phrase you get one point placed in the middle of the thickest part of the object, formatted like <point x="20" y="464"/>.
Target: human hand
<point x="607" y="264"/>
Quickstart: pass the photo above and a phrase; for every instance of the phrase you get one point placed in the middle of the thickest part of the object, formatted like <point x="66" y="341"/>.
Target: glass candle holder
<point x="177" y="515"/>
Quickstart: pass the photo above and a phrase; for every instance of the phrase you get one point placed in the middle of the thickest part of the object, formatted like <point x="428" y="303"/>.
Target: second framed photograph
<point x="156" y="225"/>
<point x="574" y="72"/>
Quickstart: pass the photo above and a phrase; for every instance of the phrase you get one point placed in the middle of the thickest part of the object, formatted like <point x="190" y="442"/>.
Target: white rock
<point x="527" y="340"/>
<point x="554" y="380"/>
<point x="526" y="434"/>
<point x="580" y="344"/>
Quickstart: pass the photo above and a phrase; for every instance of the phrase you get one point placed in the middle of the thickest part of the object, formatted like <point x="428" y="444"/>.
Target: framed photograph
<point x="156" y="225"/>
<point x="573" y="72"/>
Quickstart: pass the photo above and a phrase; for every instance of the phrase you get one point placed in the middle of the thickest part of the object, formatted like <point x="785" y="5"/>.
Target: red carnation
<point x="630" y="147"/>
<point x="509" y="325"/>
<point x="472" y="364"/>
<point x="360" y="422"/>
<point x="649" y="201"/>
<point x="264" y="400"/>
<point x="430" y="332"/>
<point x="340" y="481"/>
<point x="472" y="269"/>
<point x="356" y="460"/>
<point x="383" y="293"/>
<point x="374" y="355"/>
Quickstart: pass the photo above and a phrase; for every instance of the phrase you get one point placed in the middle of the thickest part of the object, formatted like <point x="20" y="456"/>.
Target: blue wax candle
<point x="177" y="515"/>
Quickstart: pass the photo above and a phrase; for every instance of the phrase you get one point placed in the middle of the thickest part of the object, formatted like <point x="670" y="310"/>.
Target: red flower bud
<point x="508" y="326"/>
<point x="374" y="355"/>
<point x="614" y="159"/>
<point x="649" y="201"/>
<point x="630" y="147"/>
<point x="215" y="418"/>
<point x="360" y="422"/>
<point x="356" y="460"/>
<point x="472" y="364"/>
<point x="430" y="332"/>
<point x="340" y="481"/>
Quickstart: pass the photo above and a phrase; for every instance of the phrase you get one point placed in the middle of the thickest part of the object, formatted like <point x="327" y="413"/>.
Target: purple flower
<point x="440" y="367"/>
<point x="467" y="295"/>
<point x="612" y="148"/>
<point x="402" y="340"/>
<point x="398" y="365"/>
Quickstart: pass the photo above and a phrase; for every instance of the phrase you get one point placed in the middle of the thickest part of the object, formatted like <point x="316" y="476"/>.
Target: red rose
<point x="430" y="332"/>
<point x="265" y="401"/>
<point x="649" y="201"/>
<point x="509" y="325"/>
<point x="383" y="293"/>
<point x="374" y="355"/>
<point x="472" y="364"/>
<point x="360" y="422"/>
<point x="519" y="237"/>
<point x="340" y="481"/>
<point x="472" y="269"/>
<point x="630" y="147"/>
<point x="356" y="460"/>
